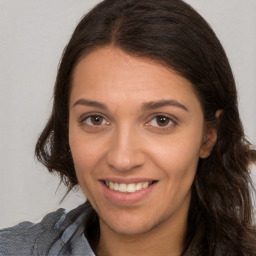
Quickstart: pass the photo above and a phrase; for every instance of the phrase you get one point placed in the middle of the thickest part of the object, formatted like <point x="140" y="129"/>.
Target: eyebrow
<point x="145" y="106"/>
<point x="162" y="103"/>
<point x="90" y="103"/>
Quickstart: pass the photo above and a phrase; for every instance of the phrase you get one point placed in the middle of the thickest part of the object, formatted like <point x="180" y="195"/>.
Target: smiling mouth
<point x="128" y="188"/>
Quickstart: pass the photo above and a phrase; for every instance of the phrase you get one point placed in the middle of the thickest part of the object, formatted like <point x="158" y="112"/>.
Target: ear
<point x="209" y="138"/>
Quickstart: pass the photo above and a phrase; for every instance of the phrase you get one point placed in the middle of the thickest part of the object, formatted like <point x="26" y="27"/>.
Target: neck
<point x="164" y="239"/>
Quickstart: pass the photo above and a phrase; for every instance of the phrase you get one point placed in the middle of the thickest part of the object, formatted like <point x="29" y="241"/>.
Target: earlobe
<point x="209" y="139"/>
<point x="208" y="142"/>
<point x="218" y="113"/>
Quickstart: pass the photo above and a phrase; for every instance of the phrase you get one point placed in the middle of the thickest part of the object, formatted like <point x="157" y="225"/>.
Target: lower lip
<point x="127" y="198"/>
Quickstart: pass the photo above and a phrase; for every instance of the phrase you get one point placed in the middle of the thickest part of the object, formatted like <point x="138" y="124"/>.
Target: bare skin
<point x="134" y="122"/>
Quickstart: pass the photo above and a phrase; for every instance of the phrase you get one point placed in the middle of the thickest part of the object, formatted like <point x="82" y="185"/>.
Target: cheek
<point x="179" y="163"/>
<point x="84" y="160"/>
<point x="185" y="147"/>
<point x="80" y="151"/>
<point x="177" y="153"/>
<point x="87" y="153"/>
<point x="178" y="159"/>
<point x="84" y="157"/>
<point x="179" y="166"/>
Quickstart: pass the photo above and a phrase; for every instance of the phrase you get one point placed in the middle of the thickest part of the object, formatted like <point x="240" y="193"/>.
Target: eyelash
<point x="153" y="119"/>
<point x="170" y="121"/>
<point x="89" y="116"/>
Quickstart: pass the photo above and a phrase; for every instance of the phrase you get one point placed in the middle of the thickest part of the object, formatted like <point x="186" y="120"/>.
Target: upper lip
<point x="127" y="180"/>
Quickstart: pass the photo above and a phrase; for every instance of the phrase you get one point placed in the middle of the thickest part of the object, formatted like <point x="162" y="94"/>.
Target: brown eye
<point x="162" y="120"/>
<point x="95" y="120"/>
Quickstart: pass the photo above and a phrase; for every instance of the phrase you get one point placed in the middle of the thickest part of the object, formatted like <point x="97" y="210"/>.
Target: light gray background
<point x="33" y="34"/>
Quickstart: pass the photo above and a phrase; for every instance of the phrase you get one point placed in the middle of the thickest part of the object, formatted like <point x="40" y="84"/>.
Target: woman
<point x="145" y="120"/>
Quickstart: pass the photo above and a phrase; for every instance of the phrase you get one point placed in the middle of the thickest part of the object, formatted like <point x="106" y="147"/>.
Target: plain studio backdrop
<point x="33" y="34"/>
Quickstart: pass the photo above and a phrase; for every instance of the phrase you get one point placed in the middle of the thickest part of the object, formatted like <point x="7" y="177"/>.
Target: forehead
<point x="108" y="74"/>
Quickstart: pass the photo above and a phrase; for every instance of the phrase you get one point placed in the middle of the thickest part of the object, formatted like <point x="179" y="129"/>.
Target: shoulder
<point x="54" y="230"/>
<point x="24" y="236"/>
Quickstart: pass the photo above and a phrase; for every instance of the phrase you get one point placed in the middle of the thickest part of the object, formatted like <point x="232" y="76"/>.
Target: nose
<point x="125" y="152"/>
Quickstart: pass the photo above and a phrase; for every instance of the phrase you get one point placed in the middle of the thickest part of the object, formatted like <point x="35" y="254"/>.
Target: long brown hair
<point x="220" y="220"/>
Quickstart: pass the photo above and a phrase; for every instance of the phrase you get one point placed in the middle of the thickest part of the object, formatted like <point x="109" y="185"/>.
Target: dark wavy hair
<point x="170" y="32"/>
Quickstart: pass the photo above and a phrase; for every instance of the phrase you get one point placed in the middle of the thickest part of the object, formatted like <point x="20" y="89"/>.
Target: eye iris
<point x="96" y="120"/>
<point x="162" y="120"/>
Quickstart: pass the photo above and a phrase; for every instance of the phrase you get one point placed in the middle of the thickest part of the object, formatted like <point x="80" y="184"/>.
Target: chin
<point x="128" y="225"/>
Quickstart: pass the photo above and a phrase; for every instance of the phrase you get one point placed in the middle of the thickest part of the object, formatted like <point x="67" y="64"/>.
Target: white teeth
<point x="145" y="184"/>
<point x="122" y="187"/>
<point x="138" y="186"/>
<point x="116" y="186"/>
<point x="130" y="188"/>
<point x="111" y="185"/>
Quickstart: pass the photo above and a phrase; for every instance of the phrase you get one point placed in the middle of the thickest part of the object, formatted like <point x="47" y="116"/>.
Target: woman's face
<point x="135" y="132"/>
